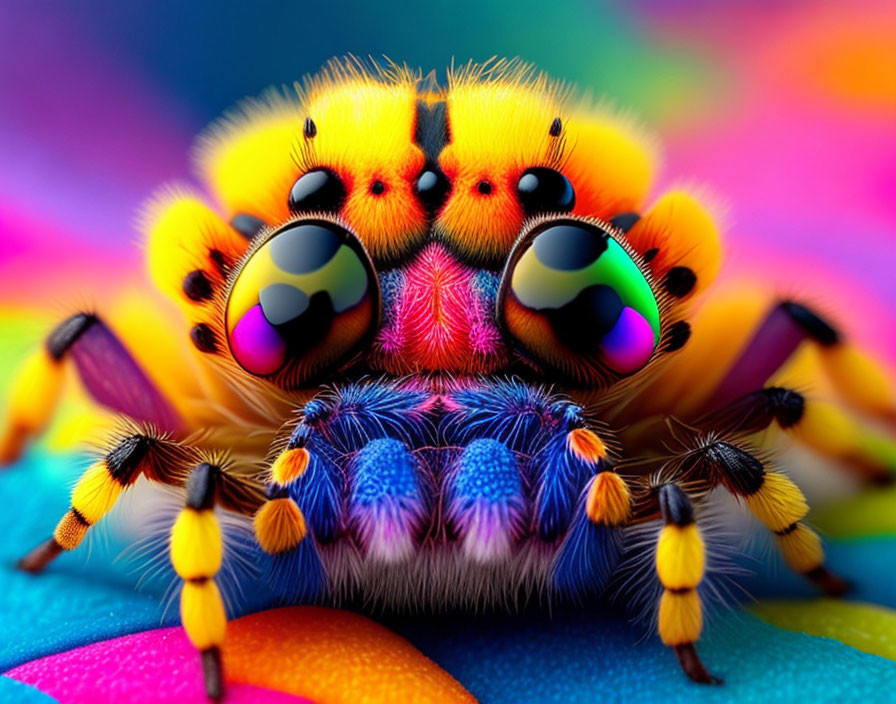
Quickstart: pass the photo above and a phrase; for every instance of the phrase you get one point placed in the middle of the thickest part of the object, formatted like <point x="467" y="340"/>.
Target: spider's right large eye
<point x="318" y="191"/>
<point x="304" y="301"/>
<point x="574" y="298"/>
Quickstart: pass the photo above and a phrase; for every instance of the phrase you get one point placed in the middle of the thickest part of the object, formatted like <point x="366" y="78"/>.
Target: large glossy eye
<point x="304" y="300"/>
<point x="544" y="190"/>
<point x="319" y="190"/>
<point x="575" y="299"/>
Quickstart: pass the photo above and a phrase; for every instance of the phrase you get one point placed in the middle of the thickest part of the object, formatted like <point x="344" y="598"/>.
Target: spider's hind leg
<point x="105" y="366"/>
<point x="774" y="499"/>
<point x="795" y="347"/>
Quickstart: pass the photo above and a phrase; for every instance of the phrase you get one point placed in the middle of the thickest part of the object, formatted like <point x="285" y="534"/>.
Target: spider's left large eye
<point x="574" y="299"/>
<point x="303" y="301"/>
<point x="543" y="190"/>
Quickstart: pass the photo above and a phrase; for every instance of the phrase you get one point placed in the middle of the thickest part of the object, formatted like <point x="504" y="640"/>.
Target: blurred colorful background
<point x="785" y="112"/>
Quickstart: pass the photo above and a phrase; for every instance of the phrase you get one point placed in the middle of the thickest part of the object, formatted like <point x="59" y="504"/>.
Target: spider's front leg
<point x="680" y="563"/>
<point x="148" y="453"/>
<point x="196" y="555"/>
<point x="107" y="369"/>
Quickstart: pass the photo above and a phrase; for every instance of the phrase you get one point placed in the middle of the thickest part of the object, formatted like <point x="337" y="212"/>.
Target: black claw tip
<point x="40" y="557"/>
<point x="692" y="666"/>
<point x="828" y="582"/>
<point x="556" y="127"/>
<point x="213" y="673"/>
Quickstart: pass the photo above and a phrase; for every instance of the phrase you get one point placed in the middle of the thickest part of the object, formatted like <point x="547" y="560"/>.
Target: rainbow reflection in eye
<point x="574" y="283"/>
<point x="308" y="295"/>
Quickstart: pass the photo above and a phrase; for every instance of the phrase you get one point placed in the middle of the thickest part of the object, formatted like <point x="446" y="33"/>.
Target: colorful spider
<point x="444" y="351"/>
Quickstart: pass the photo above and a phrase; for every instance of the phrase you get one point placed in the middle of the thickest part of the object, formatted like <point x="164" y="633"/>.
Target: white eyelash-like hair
<point x="148" y="556"/>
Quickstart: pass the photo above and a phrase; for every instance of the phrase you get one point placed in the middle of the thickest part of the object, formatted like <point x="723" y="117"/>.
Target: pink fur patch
<point x="439" y="321"/>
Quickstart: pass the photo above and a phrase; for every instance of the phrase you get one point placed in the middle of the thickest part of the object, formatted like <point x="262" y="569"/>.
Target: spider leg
<point x="680" y="562"/>
<point x="196" y="554"/>
<point x="774" y="499"/>
<point x="840" y="376"/>
<point x="98" y="489"/>
<point x="108" y="371"/>
<point x="823" y="426"/>
<point x="387" y="504"/>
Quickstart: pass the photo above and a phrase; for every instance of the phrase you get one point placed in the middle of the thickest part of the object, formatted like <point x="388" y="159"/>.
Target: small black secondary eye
<point x="319" y="190"/>
<point x="432" y="188"/>
<point x="544" y="190"/>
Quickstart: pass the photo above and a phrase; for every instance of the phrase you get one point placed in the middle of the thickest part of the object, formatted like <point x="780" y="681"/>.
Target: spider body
<point x="441" y="343"/>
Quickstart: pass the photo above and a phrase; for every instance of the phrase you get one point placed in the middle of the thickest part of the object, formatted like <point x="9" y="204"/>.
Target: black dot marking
<point x="625" y="221"/>
<point x="741" y="471"/>
<point x="125" y="458"/>
<point x="202" y="485"/>
<point x="305" y="246"/>
<point x="680" y="281"/>
<point x="68" y="332"/>
<point x="203" y="338"/>
<point x="812" y="324"/>
<point x="247" y="225"/>
<point x="650" y="255"/>
<point x="377" y="188"/>
<point x="678" y="335"/>
<point x="309" y="129"/>
<point x="196" y="286"/>
<point x="432" y="188"/>
<point x="675" y="505"/>
<point x="556" y="127"/>
<point x="484" y="187"/>
<point x="569" y="247"/>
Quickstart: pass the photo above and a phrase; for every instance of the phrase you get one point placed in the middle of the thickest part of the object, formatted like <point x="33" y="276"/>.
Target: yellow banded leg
<point x="196" y="553"/>
<point x="680" y="564"/>
<point x="778" y="503"/>
<point x="100" y="486"/>
<point x="831" y="430"/>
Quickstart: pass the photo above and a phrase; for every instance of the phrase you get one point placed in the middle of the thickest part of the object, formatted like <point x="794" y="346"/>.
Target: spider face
<point x="427" y="311"/>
